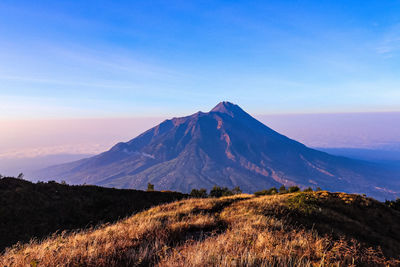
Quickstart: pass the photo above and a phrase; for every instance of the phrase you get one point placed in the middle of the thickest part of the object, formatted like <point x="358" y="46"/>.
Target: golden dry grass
<point x="241" y="230"/>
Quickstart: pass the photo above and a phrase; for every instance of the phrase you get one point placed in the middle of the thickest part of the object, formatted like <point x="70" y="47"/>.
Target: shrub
<point x="261" y="193"/>
<point x="394" y="204"/>
<point x="150" y="187"/>
<point x="282" y="189"/>
<point x="293" y="189"/>
<point x="271" y="191"/>
<point x="236" y="190"/>
<point x="303" y="202"/>
<point x="202" y="193"/>
<point x="309" y="189"/>
<point x="217" y="191"/>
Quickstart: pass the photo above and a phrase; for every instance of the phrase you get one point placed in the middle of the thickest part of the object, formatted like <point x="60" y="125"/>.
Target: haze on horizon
<point x="32" y="138"/>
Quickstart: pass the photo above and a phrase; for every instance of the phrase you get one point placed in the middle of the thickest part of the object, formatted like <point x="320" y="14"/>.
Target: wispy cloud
<point x="32" y="152"/>
<point x="105" y="84"/>
<point x="390" y="42"/>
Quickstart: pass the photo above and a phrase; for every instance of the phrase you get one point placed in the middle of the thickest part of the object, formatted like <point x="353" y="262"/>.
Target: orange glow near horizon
<point x="31" y="138"/>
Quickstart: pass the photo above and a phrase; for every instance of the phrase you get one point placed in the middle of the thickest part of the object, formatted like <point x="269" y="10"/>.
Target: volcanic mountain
<point x="225" y="147"/>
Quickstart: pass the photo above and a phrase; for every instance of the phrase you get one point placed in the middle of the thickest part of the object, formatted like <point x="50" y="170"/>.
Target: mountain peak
<point x="225" y="147"/>
<point x="228" y="108"/>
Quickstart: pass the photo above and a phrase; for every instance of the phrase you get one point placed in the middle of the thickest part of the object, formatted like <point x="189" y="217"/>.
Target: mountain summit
<point x="225" y="147"/>
<point x="229" y="108"/>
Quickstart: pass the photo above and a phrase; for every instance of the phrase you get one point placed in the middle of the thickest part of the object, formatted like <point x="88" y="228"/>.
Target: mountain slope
<point x="225" y="147"/>
<point x="300" y="229"/>
<point x="29" y="210"/>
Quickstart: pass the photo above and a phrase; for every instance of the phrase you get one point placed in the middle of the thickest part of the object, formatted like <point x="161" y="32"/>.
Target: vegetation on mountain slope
<point x="302" y="228"/>
<point x="30" y="210"/>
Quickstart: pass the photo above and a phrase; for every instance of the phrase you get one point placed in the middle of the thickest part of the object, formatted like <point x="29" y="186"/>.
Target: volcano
<point x="224" y="147"/>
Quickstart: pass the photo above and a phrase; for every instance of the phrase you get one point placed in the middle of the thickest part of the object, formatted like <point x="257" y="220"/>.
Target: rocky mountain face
<point x="225" y="147"/>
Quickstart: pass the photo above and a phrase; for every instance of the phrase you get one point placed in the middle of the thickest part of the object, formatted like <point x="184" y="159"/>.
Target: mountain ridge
<point x="226" y="147"/>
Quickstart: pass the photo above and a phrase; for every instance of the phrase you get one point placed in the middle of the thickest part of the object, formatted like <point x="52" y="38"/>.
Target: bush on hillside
<point x="303" y="202"/>
<point x="293" y="189"/>
<point x="282" y="189"/>
<point x="236" y="190"/>
<point x="199" y="193"/>
<point x="217" y="191"/>
<point x="309" y="189"/>
<point x="394" y="204"/>
<point x="271" y="191"/>
<point x="150" y="187"/>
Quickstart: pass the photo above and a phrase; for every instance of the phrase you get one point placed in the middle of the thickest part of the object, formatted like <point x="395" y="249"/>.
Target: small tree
<point x="271" y="191"/>
<point x="309" y="189"/>
<point x="394" y="204"/>
<point x="282" y="189"/>
<point x="217" y="191"/>
<point x="293" y="189"/>
<point x="20" y="176"/>
<point x="202" y="193"/>
<point x="318" y="189"/>
<point x="261" y="193"/>
<point x="236" y="190"/>
<point x="150" y="187"/>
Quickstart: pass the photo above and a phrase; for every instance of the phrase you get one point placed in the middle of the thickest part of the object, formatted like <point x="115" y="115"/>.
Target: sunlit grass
<point x="240" y="230"/>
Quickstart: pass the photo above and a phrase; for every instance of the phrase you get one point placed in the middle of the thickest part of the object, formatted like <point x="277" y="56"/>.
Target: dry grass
<point x="231" y="231"/>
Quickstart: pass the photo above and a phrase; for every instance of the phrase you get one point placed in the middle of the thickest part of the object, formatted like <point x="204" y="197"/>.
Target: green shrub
<point x="150" y="187"/>
<point x="236" y="190"/>
<point x="271" y="191"/>
<point x="282" y="189"/>
<point x="201" y="193"/>
<point x="394" y="204"/>
<point x="309" y="189"/>
<point x="303" y="202"/>
<point x="217" y="191"/>
<point x="293" y="189"/>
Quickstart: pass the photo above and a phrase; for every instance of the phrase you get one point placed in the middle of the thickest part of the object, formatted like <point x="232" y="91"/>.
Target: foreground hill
<point x="225" y="147"/>
<point x="30" y="210"/>
<point x="298" y="229"/>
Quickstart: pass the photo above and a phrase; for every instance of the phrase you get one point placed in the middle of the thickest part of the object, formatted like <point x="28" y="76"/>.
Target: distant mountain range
<point x="390" y="158"/>
<point x="225" y="147"/>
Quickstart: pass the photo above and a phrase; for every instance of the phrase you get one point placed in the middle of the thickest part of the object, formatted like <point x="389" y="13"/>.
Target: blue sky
<point x="62" y="59"/>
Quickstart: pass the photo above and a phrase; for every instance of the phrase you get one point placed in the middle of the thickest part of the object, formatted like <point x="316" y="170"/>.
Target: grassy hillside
<point x="36" y="210"/>
<point x="297" y="229"/>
